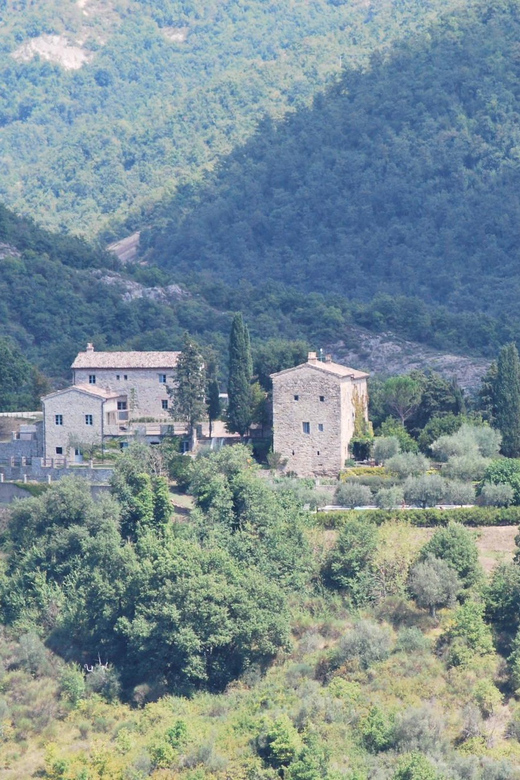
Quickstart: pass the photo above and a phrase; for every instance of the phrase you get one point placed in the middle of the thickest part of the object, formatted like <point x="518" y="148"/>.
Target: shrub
<point x="32" y="655"/>
<point x="427" y="490"/>
<point x="389" y="498"/>
<point x="505" y="471"/>
<point x="460" y="493"/>
<point x="367" y="642"/>
<point x="377" y="731"/>
<point x="487" y="696"/>
<point x="104" y="681"/>
<point x="392" y="427"/>
<point x="412" y="640"/>
<point x="72" y="683"/>
<point x="351" y="495"/>
<point x="348" y="566"/>
<point x="456" y="545"/>
<point x="280" y="743"/>
<point x="428" y="517"/>
<point x="466" y="467"/>
<point x="467" y="636"/>
<point x="434" y="584"/>
<point x="497" y="495"/>
<point x="408" y="464"/>
<point x="415" y="767"/>
<point x="385" y="447"/>
<point x="420" y="729"/>
<point x="480" y="440"/>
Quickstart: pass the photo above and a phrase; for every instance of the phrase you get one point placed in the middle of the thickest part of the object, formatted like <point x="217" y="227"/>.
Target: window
<point x="58" y="419"/>
<point x="92" y="379"/>
<point x="118" y="377"/>
<point x="121" y="405"/>
<point x="164" y="404"/>
<point x="59" y="450"/>
<point x="306" y="427"/>
<point x="296" y="397"/>
<point x="320" y="427"/>
<point x="125" y="377"/>
<point x="317" y="452"/>
<point x="162" y="379"/>
<point x="322" y="398"/>
<point x="89" y="420"/>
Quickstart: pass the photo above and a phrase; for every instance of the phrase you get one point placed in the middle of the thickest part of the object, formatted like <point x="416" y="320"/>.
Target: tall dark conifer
<point x="507" y="400"/>
<point x="213" y="402"/>
<point x="189" y="390"/>
<point x="240" y="375"/>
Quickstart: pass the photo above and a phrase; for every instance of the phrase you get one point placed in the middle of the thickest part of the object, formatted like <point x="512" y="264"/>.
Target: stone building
<point x="314" y="411"/>
<point x="112" y="393"/>
<point x="79" y="418"/>
<point x="142" y="377"/>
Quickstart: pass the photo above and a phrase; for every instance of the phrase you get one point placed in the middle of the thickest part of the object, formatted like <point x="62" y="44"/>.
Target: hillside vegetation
<point x="162" y="91"/>
<point x="246" y="641"/>
<point x="400" y="180"/>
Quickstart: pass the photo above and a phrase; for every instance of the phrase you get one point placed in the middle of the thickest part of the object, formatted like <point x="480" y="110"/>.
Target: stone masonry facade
<point x="314" y="409"/>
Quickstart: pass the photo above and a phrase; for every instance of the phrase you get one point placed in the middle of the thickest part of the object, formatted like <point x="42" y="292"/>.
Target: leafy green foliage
<point x="434" y="584"/>
<point x="239" y="412"/>
<point x="507" y="399"/>
<point x="188" y="392"/>
<point x="348" y="566"/>
<point x="456" y="546"/>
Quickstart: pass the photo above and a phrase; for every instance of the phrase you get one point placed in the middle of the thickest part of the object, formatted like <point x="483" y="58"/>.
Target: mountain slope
<point x="109" y="105"/>
<point x="404" y="179"/>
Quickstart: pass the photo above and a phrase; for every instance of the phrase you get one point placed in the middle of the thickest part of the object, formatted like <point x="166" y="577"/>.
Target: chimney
<point x="90" y="347"/>
<point x="328" y="358"/>
<point x="312" y="357"/>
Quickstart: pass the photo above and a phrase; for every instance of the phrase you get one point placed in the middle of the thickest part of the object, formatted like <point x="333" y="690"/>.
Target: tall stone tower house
<point x="314" y="410"/>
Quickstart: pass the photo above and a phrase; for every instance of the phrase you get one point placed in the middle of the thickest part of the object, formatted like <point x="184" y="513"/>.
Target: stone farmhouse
<point x="314" y="412"/>
<point x="111" y="394"/>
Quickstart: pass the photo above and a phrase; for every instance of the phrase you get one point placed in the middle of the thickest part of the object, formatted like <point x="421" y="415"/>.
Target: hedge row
<point x="427" y="518"/>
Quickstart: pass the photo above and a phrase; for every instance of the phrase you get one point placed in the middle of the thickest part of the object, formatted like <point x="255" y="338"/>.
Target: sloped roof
<point x="327" y="366"/>
<point x="99" y="392"/>
<point x="122" y="360"/>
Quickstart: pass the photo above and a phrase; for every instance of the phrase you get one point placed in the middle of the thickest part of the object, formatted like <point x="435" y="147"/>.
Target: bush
<point x="412" y="640"/>
<point x="280" y="743"/>
<point x="420" y="729"/>
<point x="72" y="683"/>
<point x="467" y="636"/>
<point x="367" y="642"/>
<point x="434" y="584"/>
<point x="348" y="566"/>
<point x="429" y="517"/>
<point x="427" y="490"/>
<point x="385" y="447"/>
<point x="351" y="495"/>
<point x="479" y="440"/>
<point x="466" y="467"/>
<point x="497" y="495"/>
<point x="487" y="696"/>
<point x="32" y="655"/>
<point x="456" y="546"/>
<point x="415" y="767"/>
<point x="505" y="471"/>
<point x="377" y="731"/>
<point x="408" y="464"/>
<point x="389" y="498"/>
<point x="461" y="493"/>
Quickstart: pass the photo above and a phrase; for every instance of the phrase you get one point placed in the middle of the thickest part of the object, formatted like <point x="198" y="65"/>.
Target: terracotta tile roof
<point x="100" y="392"/>
<point x="329" y="367"/>
<point x="122" y="360"/>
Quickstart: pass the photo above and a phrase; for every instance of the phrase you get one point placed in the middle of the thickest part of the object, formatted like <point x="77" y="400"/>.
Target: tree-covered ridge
<point x="400" y="179"/>
<point x="153" y="107"/>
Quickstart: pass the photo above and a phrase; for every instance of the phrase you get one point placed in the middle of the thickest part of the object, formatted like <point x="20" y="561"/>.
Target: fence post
<point x="49" y="479"/>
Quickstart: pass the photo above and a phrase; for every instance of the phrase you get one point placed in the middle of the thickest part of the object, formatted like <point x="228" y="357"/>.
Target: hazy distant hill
<point x="109" y="105"/>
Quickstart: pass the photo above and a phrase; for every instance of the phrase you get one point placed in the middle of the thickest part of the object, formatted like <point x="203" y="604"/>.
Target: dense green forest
<point x="400" y="180"/>
<point x="85" y="148"/>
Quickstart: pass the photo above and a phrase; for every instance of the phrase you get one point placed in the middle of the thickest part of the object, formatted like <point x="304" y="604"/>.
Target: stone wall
<point x="144" y="392"/>
<point x="318" y="452"/>
<point x="36" y="471"/>
<point x="73" y="406"/>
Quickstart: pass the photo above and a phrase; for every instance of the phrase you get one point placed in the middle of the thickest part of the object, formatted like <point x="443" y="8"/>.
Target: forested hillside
<point x="401" y="179"/>
<point x="109" y="105"/>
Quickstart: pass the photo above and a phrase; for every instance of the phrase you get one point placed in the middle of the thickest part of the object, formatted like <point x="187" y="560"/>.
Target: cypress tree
<point x="213" y="402"/>
<point x="239" y="415"/>
<point x="507" y="400"/>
